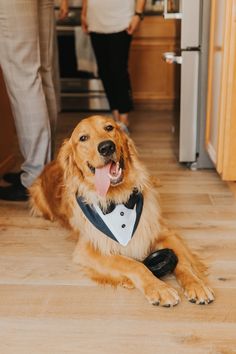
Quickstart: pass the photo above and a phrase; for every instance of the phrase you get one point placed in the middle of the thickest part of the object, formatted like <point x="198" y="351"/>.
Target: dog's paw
<point x="198" y="293"/>
<point x="162" y="295"/>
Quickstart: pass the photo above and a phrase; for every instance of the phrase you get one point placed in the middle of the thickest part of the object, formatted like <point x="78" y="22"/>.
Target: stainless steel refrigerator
<point x="193" y="58"/>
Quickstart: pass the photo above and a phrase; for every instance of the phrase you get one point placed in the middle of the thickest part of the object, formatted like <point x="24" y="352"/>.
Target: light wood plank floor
<point x="47" y="306"/>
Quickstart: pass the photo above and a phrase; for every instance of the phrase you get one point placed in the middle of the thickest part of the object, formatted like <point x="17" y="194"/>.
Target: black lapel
<point x="94" y="218"/>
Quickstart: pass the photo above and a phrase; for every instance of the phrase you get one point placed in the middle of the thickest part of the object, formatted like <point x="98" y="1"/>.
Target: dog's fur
<point x="53" y="195"/>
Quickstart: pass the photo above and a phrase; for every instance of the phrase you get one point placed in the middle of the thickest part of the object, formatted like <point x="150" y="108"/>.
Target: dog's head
<point x="102" y="155"/>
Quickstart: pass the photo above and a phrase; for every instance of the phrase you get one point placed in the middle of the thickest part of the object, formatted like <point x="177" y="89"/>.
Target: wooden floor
<point x="46" y="306"/>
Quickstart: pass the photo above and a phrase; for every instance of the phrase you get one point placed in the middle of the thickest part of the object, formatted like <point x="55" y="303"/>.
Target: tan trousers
<point x="27" y="33"/>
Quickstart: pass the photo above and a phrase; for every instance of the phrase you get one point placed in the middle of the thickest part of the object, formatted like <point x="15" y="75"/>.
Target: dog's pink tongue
<point x="102" y="179"/>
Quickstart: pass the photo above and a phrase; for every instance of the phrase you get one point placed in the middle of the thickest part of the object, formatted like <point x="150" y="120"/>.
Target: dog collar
<point x="120" y="221"/>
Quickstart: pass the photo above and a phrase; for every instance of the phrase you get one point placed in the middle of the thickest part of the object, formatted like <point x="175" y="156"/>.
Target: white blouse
<point x="109" y="16"/>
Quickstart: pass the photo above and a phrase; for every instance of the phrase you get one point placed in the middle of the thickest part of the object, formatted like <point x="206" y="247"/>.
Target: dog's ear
<point x="66" y="160"/>
<point x="129" y="149"/>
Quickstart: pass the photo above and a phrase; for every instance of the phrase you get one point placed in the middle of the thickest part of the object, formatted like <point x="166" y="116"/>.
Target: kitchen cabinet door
<point x="155" y="84"/>
<point x="221" y="101"/>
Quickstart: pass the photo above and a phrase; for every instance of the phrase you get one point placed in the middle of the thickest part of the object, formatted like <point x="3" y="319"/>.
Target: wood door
<point x="221" y="106"/>
<point x="227" y="138"/>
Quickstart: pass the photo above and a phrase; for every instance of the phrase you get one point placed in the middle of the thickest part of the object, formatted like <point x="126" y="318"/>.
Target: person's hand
<point x="84" y="23"/>
<point x="64" y="9"/>
<point x="133" y="26"/>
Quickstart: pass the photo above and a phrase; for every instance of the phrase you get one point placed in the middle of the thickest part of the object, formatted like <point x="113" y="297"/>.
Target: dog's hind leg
<point x="38" y="203"/>
<point x="190" y="271"/>
<point x="117" y="268"/>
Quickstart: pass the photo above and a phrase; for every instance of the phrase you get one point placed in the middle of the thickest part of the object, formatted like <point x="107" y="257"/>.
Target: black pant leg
<point x="101" y="44"/>
<point x="118" y="67"/>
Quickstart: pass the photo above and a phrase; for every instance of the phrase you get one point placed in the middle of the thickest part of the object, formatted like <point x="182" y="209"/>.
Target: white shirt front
<point x="109" y="16"/>
<point x="120" y="222"/>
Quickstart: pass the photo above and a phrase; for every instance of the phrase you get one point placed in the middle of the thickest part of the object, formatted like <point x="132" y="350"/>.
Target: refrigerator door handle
<point x="170" y="15"/>
<point x="171" y="57"/>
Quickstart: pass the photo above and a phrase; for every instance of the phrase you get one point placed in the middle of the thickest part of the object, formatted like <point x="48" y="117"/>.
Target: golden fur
<point x="53" y="195"/>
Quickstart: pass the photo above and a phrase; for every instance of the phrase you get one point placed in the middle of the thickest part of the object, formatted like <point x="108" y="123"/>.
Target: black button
<point x="122" y="213"/>
<point x="123" y="225"/>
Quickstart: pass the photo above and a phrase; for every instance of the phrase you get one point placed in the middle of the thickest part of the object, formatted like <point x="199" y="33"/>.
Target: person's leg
<point x="124" y="118"/>
<point x="47" y="56"/>
<point x="100" y="44"/>
<point x="116" y="115"/>
<point x="118" y="66"/>
<point x="21" y="65"/>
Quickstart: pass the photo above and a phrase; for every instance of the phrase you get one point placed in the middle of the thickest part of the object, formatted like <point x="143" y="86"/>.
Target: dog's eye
<point x="109" y="128"/>
<point x="84" y="137"/>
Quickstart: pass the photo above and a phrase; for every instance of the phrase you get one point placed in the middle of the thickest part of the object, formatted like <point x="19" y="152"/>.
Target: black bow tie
<point x="130" y="204"/>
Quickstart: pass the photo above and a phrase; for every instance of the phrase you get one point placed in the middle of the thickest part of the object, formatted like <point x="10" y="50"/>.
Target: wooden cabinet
<point x="221" y="101"/>
<point x="7" y="131"/>
<point x="154" y="82"/>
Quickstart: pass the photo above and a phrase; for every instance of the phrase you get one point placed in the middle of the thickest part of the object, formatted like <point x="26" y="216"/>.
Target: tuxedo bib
<point x="119" y="221"/>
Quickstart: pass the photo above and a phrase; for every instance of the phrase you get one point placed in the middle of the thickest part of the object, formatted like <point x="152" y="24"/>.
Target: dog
<point x="99" y="189"/>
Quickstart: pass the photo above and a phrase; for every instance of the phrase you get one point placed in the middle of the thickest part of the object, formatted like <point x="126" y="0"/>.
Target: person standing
<point x="27" y="49"/>
<point x="111" y="24"/>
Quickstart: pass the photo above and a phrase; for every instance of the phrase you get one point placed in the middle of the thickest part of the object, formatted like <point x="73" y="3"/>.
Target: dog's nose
<point x="106" y="148"/>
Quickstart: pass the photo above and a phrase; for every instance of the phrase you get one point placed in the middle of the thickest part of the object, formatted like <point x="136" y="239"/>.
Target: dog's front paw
<point x="197" y="292"/>
<point x="161" y="294"/>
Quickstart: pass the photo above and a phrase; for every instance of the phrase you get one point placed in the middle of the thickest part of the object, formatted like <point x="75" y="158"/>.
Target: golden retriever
<point x="98" y="169"/>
